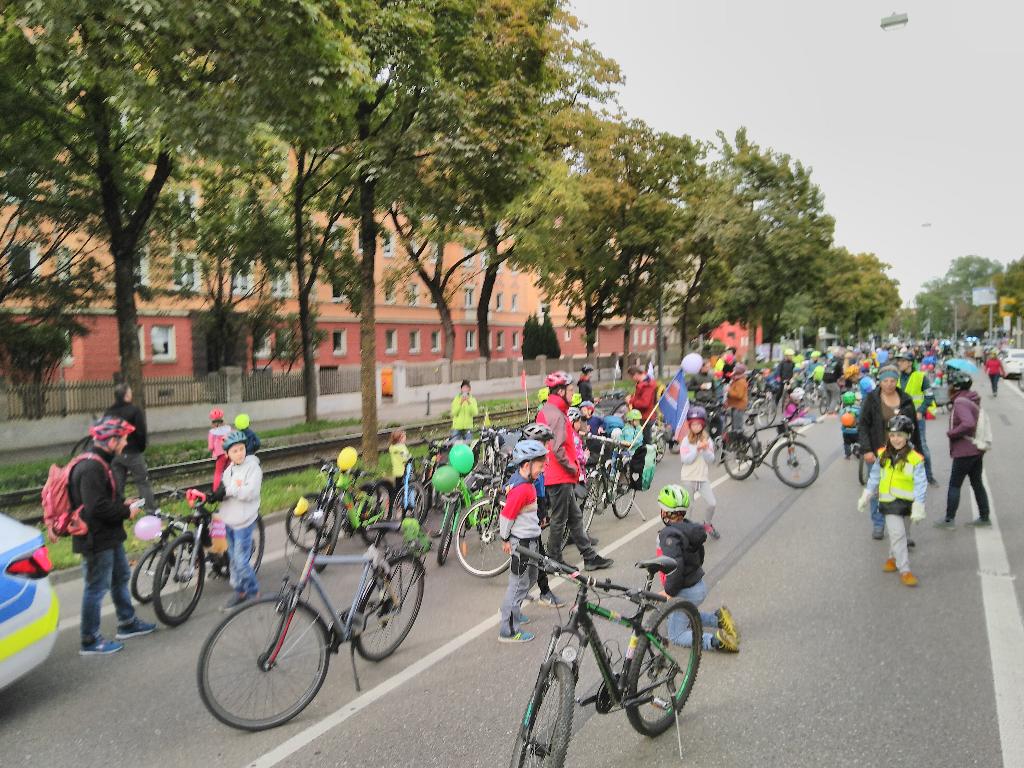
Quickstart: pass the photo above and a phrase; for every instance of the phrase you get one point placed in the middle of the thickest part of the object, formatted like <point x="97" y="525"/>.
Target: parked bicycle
<point x="181" y="571"/>
<point x="266" y="661"/>
<point x="145" y="567"/>
<point x="651" y="684"/>
<point x="608" y="482"/>
<point x="794" y="462"/>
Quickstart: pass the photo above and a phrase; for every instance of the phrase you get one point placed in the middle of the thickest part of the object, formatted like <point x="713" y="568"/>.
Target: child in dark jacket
<point x="683" y="541"/>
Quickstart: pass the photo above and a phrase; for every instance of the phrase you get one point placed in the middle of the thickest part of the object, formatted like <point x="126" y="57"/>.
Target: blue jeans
<point x="679" y="630"/>
<point x="924" y="447"/>
<point x="877" y="518"/>
<point x="462" y="434"/>
<point x="102" y="572"/>
<point x="243" y="577"/>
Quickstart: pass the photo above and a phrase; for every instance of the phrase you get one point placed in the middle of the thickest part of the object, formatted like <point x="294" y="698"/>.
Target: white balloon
<point x="692" y="363"/>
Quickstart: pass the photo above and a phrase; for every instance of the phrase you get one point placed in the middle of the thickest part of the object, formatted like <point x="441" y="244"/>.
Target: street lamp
<point x="895" y="21"/>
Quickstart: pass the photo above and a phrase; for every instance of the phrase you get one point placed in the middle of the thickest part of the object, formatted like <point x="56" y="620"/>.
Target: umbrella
<point x="962" y="365"/>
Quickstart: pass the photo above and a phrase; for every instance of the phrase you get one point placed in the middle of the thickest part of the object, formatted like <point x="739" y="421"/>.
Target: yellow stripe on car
<point x="22" y="638"/>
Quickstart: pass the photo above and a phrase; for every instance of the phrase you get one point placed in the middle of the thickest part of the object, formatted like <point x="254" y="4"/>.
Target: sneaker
<point x="100" y="647"/>
<point x="597" y="563"/>
<point x="137" y="628"/>
<point x="947" y="525"/>
<point x="727" y="642"/>
<point x="522" y="618"/>
<point x="550" y="600"/>
<point x="726" y="622"/>
<point x="518" y="637"/>
<point x="908" y="579"/>
<point x="890" y="565"/>
<point x="878" y="534"/>
<point x="531" y="597"/>
<point x="911" y="543"/>
<point x="236" y="600"/>
<point x="709" y="529"/>
<point x="981" y="522"/>
<point x="593" y="540"/>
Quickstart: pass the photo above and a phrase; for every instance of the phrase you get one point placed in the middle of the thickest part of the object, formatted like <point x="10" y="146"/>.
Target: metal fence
<point x="335" y="381"/>
<point x="60" y="398"/>
<point x="264" y="385"/>
<point x="423" y="374"/>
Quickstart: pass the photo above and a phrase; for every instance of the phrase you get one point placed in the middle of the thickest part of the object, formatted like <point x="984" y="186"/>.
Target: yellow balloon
<point x="347" y="458"/>
<point x="301" y="507"/>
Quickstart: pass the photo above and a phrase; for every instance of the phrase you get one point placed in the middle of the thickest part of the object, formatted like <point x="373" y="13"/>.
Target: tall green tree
<point x="942" y="296"/>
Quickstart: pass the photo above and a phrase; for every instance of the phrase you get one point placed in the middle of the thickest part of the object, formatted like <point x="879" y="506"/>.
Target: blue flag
<point x="675" y="403"/>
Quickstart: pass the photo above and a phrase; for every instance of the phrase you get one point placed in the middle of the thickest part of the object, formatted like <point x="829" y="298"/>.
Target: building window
<point x="414" y="342"/>
<point x="500" y="343"/>
<point x="161" y="339"/>
<point x="23" y="259"/>
<point x="337" y="292"/>
<point x="515" y="339"/>
<point x="281" y="286"/>
<point x="568" y="334"/>
<point x="412" y="295"/>
<point x="467" y="257"/>
<point x="483" y="260"/>
<point x="339" y="341"/>
<point x="389" y="295"/>
<point x="241" y="283"/>
<point x="261" y="351"/>
<point x="499" y="302"/>
<point x="389" y="246"/>
<point x="636" y="337"/>
<point x="470" y="341"/>
<point x="186" y="272"/>
<point x="65" y="260"/>
<point x="142" y="269"/>
<point x="542" y="310"/>
<point x="467" y="297"/>
<point x="391" y="342"/>
<point x="515" y="302"/>
<point x="435" y="341"/>
<point x="188" y="200"/>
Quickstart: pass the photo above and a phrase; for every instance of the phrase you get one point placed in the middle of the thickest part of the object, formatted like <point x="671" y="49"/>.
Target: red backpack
<point x="58" y="516"/>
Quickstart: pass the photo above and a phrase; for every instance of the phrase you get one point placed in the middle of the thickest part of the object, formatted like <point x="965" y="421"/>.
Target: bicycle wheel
<point x="739" y="458"/>
<point x="144" y="572"/>
<point x="624" y="494"/>
<point x="376" y="508"/>
<point x="258" y="544"/>
<point x="389" y="607"/>
<point x="795" y="464"/>
<point x="416" y="506"/>
<point x="824" y="401"/>
<point x="478" y="543"/>
<point x="451" y="506"/>
<point x="662" y="673"/>
<point x="236" y="683"/>
<point x="180" y="576"/>
<point x="862" y="470"/>
<point x="546" y="727"/>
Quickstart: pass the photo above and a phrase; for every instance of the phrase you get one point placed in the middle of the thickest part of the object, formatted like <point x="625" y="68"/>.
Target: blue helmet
<point x="234" y="438"/>
<point x="528" y="450"/>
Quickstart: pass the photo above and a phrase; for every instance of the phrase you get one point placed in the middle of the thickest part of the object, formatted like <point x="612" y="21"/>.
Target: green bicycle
<point x="652" y="685"/>
<point x="467" y="495"/>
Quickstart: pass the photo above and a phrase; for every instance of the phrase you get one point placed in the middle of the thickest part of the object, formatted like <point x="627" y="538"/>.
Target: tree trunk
<point x="483" y="322"/>
<point x="751" y="344"/>
<point x="368" y="318"/>
<point x="627" y="327"/>
<point x="590" y="327"/>
<point x="305" y="283"/>
<point x="128" y="321"/>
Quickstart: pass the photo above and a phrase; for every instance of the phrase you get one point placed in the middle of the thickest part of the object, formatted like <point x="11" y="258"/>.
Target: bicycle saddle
<point x="661" y="564"/>
<point x="390" y="526"/>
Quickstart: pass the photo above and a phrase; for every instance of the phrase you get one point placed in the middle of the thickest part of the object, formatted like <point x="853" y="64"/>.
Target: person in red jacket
<point x="994" y="369"/>
<point x="644" y="397"/>
<point x="561" y="474"/>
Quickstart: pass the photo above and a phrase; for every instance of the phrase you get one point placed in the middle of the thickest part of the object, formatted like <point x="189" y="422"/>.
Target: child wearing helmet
<point x="683" y="541"/>
<point x="252" y="440"/>
<point x="520" y="526"/>
<point x="215" y="443"/>
<point x="239" y="494"/>
<point x="849" y="418"/>
<point x="795" y="414"/>
<point x="632" y="434"/>
<point x="697" y="454"/>
<point x="899" y="480"/>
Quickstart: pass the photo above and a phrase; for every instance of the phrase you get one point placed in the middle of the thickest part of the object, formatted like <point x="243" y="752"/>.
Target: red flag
<point x="522" y="379"/>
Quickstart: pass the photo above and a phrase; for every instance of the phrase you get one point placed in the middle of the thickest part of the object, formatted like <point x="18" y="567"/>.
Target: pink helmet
<point x="109" y="427"/>
<point x="557" y="379"/>
<point x="216" y="415"/>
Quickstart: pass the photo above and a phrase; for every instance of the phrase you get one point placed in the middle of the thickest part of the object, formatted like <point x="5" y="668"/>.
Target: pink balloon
<point x="148" y="528"/>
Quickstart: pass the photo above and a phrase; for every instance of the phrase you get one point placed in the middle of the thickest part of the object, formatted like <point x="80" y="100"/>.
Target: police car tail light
<point x="35" y="566"/>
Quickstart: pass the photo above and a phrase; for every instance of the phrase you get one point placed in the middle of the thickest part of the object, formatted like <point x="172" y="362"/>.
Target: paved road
<point x="840" y="664"/>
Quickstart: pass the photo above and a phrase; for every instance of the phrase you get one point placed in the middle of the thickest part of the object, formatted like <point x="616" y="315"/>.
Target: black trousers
<point x="966" y="467"/>
<point x="565" y="513"/>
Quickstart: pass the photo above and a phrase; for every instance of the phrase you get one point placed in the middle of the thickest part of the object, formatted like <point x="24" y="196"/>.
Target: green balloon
<point x="445" y="479"/>
<point x="461" y="457"/>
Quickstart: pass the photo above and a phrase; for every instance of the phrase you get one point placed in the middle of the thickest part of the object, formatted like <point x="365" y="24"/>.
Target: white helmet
<point x="797" y="394"/>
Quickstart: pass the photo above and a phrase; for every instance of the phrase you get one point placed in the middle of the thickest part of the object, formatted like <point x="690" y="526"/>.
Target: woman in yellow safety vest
<point x="899" y="480"/>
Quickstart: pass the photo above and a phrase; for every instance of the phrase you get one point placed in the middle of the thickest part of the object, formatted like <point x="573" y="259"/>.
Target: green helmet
<point x="674" y="499"/>
<point x="577" y="398"/>
<point x="634" y="415"/>
<point x="542" y="395"/>
<point x="849" y="398"/>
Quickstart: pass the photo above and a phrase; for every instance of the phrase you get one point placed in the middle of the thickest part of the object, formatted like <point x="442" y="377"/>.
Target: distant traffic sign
<point x="983" y="297"/>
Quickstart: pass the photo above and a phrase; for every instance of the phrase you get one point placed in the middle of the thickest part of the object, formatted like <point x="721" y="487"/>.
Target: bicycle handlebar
<point x="553" y="566"/>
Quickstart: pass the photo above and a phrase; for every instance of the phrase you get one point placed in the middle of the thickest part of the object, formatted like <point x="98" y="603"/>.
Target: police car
<point x="29" y="611"/>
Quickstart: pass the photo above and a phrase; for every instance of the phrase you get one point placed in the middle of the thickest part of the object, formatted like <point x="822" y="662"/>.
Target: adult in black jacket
<point x="886" y="399"/>
<point x="586" y="389"/>
<point x="104" y="563"/>
<point x="131" y="460"/>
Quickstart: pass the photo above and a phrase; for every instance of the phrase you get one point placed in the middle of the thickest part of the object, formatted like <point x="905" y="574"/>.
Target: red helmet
<point x="109" y="427"/>
<point x="557" y="379"/>
<point x="216" y="415"/>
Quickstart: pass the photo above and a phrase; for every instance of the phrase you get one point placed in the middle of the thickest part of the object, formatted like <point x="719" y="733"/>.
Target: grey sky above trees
<point x="904" y="128"/>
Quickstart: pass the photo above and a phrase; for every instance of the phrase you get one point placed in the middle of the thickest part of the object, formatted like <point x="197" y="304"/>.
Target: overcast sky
<point x="922" y="125"/>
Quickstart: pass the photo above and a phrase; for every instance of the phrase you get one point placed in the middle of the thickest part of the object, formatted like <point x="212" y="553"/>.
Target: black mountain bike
<point x="794" y="462"/>
<point x="652" y="684"/>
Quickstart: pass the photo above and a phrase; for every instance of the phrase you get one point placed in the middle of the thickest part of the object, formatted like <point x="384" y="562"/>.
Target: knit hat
<point x="888" y="372"/>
